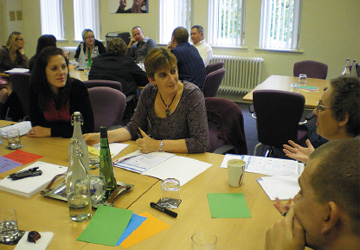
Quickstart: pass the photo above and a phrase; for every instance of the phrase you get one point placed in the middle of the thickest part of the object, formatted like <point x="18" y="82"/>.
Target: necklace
<point x="167" y="110"/>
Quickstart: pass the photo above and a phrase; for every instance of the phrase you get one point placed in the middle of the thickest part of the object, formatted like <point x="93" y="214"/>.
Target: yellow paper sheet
<point x="148" y="228"/>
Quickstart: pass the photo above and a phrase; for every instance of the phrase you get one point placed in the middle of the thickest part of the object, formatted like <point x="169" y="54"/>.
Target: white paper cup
<point x="236" y="171"/>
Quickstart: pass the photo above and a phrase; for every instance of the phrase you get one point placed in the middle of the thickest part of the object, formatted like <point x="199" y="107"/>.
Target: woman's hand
<point x="92" y="138"/>
<point x="283" y="209"/>
<point x="286" y="234"/>
<point x="295" y="151"/>
<point x="39" y="131"/>
<point x="146" y="144"/>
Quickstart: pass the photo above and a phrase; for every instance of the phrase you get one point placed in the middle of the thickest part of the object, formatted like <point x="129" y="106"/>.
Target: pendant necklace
<point x="167" y="110"/>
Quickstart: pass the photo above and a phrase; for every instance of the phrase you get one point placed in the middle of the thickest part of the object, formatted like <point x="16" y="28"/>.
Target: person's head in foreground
<point x="326" y="213"/>
<point x="116" y="46"/>
<point x="338" y="111"/>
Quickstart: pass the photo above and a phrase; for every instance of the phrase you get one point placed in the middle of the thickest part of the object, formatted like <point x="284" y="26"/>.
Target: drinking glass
<point x="203" y="241"/>
<point x="170" y="190"/>
<point x="13" y="137"/>
<point x="302" y="78"/>
<point x="8" y="226"/>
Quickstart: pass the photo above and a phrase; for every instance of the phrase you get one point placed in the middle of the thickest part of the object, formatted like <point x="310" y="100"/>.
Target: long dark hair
<point x="40" y="84"/>
<point x="45" y="41"/>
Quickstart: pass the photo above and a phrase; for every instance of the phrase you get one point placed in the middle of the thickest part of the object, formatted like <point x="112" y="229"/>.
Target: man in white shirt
<point x="205" y="50"/>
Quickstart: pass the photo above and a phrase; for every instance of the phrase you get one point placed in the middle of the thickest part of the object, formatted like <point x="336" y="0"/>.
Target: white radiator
<point x="242" y="73"/>
<point x="72" y="51"/>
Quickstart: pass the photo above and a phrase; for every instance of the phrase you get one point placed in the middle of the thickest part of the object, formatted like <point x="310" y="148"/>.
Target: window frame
<point x="213" y="23"/>
<point x="265" y="23"/>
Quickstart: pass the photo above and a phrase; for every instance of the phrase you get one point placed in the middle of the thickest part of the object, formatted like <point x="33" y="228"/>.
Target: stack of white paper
<point x="163" y="165"/>
<point x="29" y="186"/>
<point x="23" y="128"/>
<point x="282" y="187"/>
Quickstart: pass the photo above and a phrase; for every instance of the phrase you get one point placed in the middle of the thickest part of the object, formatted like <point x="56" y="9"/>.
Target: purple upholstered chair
<point x="103" y="83"/>
<point x="212" y="82"/>
<point x="108" y="105"/>
<point x="214" y="66"/>
<point x="278" y="114"/>
<point x="312" y="69"/>
<point x="226" y="126"/>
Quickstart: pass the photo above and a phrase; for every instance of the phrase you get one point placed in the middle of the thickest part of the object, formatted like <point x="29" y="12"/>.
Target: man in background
<point x="190" y="64"/>
<point x="326" y="213"/>
<point x="139" y="45"/>
<point x="205" y="50"/>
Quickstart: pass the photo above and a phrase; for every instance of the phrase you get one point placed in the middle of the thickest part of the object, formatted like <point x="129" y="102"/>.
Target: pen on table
<point x="163" y="209"/>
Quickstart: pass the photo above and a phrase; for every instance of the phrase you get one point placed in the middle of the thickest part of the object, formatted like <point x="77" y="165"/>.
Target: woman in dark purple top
<point x="170" y="115"/>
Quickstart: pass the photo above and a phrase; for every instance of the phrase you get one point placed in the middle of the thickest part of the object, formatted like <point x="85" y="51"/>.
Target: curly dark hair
<point x="40" y="84"/>
<point x="346" y="100"/>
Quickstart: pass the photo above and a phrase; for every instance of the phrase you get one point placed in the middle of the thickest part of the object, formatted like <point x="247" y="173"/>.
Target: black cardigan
<point x="79" y="101"/>
<point x="100" y="45"/>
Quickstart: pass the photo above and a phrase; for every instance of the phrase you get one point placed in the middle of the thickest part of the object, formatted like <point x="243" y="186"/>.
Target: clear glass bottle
<point x="95" y="52"/>
<point x="106" y="164"/>
<point x="346" y="70"/>
<point x="77" y="121"/>
<point x="353" y="71"/>
<point x="82" y="57"/>
<point x="78" y="186"/>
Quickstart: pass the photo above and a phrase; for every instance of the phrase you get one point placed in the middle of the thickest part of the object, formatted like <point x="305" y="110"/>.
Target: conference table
<point x="49" y="215"/>
<point x="277" y="82"/>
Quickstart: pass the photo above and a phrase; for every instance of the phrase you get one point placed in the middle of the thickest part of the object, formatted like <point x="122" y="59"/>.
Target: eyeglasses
<point x="19" y="39"/>
<point x="88" y="37"/>
<point x="320" y="107"/>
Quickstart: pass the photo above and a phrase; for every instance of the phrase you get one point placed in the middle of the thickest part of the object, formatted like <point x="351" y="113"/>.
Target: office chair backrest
<point x="103" y="83"/>
<point x="212" y="82"/>
<point x="214" y="66"/>
<point x="312" y="69"/>
<point x="21" y="85"/>
<point x="277" y="116"/>
<point x="226" y="124"/>
<point x="108" y="105"/>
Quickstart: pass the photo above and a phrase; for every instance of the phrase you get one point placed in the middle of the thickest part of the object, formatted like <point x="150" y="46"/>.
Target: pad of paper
<point x="228" y="205"/>
<point x="148" y="228"/>
<point x="106" y="226"/>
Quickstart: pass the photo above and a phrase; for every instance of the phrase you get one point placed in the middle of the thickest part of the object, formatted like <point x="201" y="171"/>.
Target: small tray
<point x="59" y="193"/>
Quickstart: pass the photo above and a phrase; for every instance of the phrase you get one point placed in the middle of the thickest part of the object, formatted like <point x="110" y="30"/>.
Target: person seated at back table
<point x="326" y="213"/>
<point x="43" y="42"/>
<point x="171" y="112"/>
<point x="90" y="43"/>
<point x="139" y="45"/>
<point x="115" y="65"/>
<point x="205" y="50"/>
<point x="190" y="64"/>
<point x="54" y="97"/>
<point x="12" y="56"/>
<point x="338" y="117"/>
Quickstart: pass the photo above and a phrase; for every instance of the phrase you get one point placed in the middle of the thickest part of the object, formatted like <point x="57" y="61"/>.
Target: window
<point x="52" y="20"/>
<point x="226" y="23"/>
<point x="173" y="14"/>
<point x="280" y="24"/>
<point x="86" y="16"/>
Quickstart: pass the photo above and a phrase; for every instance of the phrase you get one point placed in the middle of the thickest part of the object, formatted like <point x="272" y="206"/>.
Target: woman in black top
<point x="54" y="97"/>
<point x="89" y="44"/>
<point x="43" y="42"/>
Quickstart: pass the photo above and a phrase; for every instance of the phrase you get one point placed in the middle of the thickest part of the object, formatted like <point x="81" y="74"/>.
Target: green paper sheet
<point x="228" y="205"/>
<point x="106" y="226"/>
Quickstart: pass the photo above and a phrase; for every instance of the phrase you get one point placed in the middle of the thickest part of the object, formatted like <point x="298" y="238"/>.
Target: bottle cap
<point x="103" y="132"/>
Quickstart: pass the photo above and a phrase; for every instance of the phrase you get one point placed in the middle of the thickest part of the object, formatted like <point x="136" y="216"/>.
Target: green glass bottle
<point x="106" y="164"/>
<point x="89" y="59"/>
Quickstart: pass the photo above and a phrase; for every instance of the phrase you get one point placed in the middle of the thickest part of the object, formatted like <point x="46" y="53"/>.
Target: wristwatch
<point x="161" y="146"/>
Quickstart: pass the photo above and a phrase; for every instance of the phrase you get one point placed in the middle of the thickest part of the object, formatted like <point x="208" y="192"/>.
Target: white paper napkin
<point x="41" y="244"/>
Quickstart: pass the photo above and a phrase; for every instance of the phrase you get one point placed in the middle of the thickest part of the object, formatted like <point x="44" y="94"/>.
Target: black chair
<point x="214" y="66"/>
<point x="226" y="126"/>
<point x="312" y="69"/>
<point x="21" y="84"/>
<point x="278" y="114"/>
<point x="212" y="82"/>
